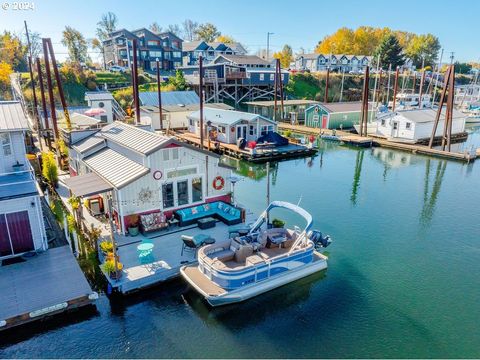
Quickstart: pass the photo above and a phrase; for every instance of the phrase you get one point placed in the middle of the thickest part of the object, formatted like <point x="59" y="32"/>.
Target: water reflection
<point x="430" y="197"/>
<point x="253" y="171"/>
<point x="356" y="176"/>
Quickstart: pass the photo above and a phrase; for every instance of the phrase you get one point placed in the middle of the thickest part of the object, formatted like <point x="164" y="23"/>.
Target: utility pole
<point x="159" y="91"/>
<point x="388" y="82"/>
<point x="452" y="56"/>
<point x="135" y="82"/>
<point x="420" y="103"/>
<point x="32" y="81"/>
<point x="395" y="87"/>
<point x="268" y="44"/>
<point x="44" y="103"/>
<point x="200" y="93"/>
<point x="59" y="85"/>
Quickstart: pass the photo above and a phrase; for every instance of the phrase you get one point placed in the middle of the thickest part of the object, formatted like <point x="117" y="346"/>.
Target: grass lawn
<point x="111" y="78"/>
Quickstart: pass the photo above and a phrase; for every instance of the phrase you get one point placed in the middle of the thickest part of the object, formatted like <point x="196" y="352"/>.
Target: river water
<point x="403" y="277"/>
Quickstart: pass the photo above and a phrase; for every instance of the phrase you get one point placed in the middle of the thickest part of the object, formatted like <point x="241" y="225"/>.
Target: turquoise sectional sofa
<point x="220" y="210"/>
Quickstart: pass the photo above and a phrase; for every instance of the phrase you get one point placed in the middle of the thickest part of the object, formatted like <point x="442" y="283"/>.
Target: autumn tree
<point x="226" y="39"/>
<point x="106" y="25"/>
<point x="175" y="29"/>
<point x="76" y="45"/>
<point x="390" y="52"/>
<point x="423" y="49"/>
<point x="13" y="51"/>
<point x="190" y="28"/>
<point x="285" y="56"/>
<point x="207" y="32"/>
<point x="5" y="71"/>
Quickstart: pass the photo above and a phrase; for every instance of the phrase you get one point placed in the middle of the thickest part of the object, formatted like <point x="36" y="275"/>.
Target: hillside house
<point x="209" y="51"/>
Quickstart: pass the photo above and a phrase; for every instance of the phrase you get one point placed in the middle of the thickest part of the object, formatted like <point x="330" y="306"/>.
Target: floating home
<point x="416" y="125"/>
<point x="227" y="126"/>
<point x="145" y="173"/>
<point x="340" y="115"/>
<point x="176" y="106"/>
<point x="21" y="218"/>
<point x="293" y="110"/>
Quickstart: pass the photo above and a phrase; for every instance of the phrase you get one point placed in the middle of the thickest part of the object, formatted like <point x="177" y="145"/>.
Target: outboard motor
<point x="320" y="240"/>
<point x="241" y="143"/>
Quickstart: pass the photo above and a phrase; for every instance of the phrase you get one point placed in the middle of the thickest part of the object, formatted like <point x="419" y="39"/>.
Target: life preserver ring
<point x="232" y="129"/>
<point x="218" y="183"/>
<point x="157" y="175"/>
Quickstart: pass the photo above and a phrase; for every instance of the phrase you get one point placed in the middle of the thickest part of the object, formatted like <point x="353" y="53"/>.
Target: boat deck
<point x="43" y="285"/>
<point x="203" y="283"/>
<point x="166" y="259"/>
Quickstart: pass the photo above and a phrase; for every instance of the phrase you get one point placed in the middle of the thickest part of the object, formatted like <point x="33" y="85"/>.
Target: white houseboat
<point x="21" y="218"/>
<point x="146" y="173"/>
<point x="229" y="126"/>
<point x="415" y="125"/>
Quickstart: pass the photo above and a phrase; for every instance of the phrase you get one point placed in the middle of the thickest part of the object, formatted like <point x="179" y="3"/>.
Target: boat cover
<point x="273" y="137"/>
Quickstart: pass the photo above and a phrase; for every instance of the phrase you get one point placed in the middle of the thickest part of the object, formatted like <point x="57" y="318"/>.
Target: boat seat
<point x="224" y="255"/>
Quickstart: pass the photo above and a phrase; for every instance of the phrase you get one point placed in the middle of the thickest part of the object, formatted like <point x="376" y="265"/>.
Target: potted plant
<point x="133" y="225"/>
<point x="277" y="223"/>
<point x="106" y="247"/>
<point x="108" y="267"/>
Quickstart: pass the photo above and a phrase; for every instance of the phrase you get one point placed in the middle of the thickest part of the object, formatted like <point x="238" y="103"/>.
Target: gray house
<point x="209" y="51"/>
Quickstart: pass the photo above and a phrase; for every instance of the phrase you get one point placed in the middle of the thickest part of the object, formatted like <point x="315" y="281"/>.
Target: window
<point x="270" y="128"/>
<point x="152" y="43"/>
<point x="177" y="54"/>
<point x="408" y="125"/>
<point x="166" y="155"/>
<point x="222" y="129"/>
<point x="383" y="122"/>
<point x="182" y="192"/>
<point x="175" y="154"/>
<point x="262" y="77"/>
<point x="197" y="190"/>
<point x="272" y="77"/>
<point x="263" y="130"/>
<point x="101" y="104"/>
<point x="6" y="145"/>
<point x="144" y="54"/>
<point x="156" y="54"/>
<point x="283" y="77"/>
<point x="252" y="130"/>
<point x="395" y="126"/>
<point x="181" y="172"/>
<point x="167" y="195"/>
<point x="190" y="122"/>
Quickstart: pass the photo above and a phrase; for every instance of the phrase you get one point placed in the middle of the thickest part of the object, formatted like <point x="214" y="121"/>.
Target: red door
<point x="324" y="121"/>
<point x="20" y="232"/>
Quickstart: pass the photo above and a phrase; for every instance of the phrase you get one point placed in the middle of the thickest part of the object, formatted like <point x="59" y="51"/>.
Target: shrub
<point x="49" y="170"/>
<point x="277" y="223"/>
<point x="106" y="246"/>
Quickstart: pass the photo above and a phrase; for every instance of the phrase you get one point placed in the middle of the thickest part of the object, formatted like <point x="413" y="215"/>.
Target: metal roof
<point x="81" y="120"/>
<point x="87" y="184"/>
<point x="17" y="185"/>
<point x="285" y="102"/>
<point x="12" y="117"/>
<point x="134" y="138"/>
<point x="89" y="143"/>
<point x="169" y="98"/>
<point x="428" y="115"/>
<point x="349" y="106"/>
<point x="115" y="168"/>
<point x="243" y="59"/>
<point x="192" y="107"/>
<point x="98" y="95"/>
<point x="227" y="117"/>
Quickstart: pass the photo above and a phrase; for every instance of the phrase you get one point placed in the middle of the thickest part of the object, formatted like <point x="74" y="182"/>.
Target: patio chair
<point x="189" y="244"/>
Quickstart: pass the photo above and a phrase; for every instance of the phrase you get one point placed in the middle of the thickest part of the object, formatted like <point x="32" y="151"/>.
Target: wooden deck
<point x="278" y="153"/>
<point x="355" y="139"/>
<point x="46" y="284"/>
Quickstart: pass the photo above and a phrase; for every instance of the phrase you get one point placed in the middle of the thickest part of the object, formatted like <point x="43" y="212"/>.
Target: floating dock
<point x="44" y="285"/>
<point x="354" y="139"/>
<point x="277" y="153"/>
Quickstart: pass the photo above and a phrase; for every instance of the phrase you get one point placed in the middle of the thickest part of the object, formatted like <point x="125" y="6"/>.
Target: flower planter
<point x="133" y="230"/>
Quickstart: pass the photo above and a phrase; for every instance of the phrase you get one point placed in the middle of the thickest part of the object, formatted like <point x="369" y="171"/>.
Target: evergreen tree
<point x="390" y="52"/>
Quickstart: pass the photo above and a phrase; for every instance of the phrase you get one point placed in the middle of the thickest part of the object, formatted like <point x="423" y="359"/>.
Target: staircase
<point x="118" y="112"/>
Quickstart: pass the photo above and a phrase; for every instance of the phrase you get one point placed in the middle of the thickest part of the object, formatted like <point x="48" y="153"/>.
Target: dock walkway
<point x="259" y="156"/>
<point x="46" y="284"/>
<point x="355" y="139"/>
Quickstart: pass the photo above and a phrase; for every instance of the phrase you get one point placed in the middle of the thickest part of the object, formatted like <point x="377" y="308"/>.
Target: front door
<point x="242" y="131"/>
<point x="15" y="233"/>
<point x="395" y="127"/>
<point x="324" y="121"/>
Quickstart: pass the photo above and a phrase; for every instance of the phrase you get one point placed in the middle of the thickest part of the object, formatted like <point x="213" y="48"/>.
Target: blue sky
<point x="298" y="23"/>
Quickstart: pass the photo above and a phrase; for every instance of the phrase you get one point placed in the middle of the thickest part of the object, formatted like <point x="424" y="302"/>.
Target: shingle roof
<point x="227" y="117"/>
<point x="98" y="95"/>
<point x="12" y="117"/>
<point x="150" y="98"/>
<point x="117" y="169"/>
<point x="139" y="140"/>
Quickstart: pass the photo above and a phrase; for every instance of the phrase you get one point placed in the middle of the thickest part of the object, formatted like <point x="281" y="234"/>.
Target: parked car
<point x="117" y="68"/>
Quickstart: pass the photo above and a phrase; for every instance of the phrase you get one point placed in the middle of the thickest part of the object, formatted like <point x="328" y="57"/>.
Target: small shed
<point x="228" y="126"/>
<point x="101" y="100"/>
<point x="340" y="115"/>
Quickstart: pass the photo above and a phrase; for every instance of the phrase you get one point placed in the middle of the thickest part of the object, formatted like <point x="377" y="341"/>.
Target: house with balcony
<point x="338" y="62"/>
<point x="22" y="229"/>
<point x="166" y="47"/>
<point x="209" y="51"/>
